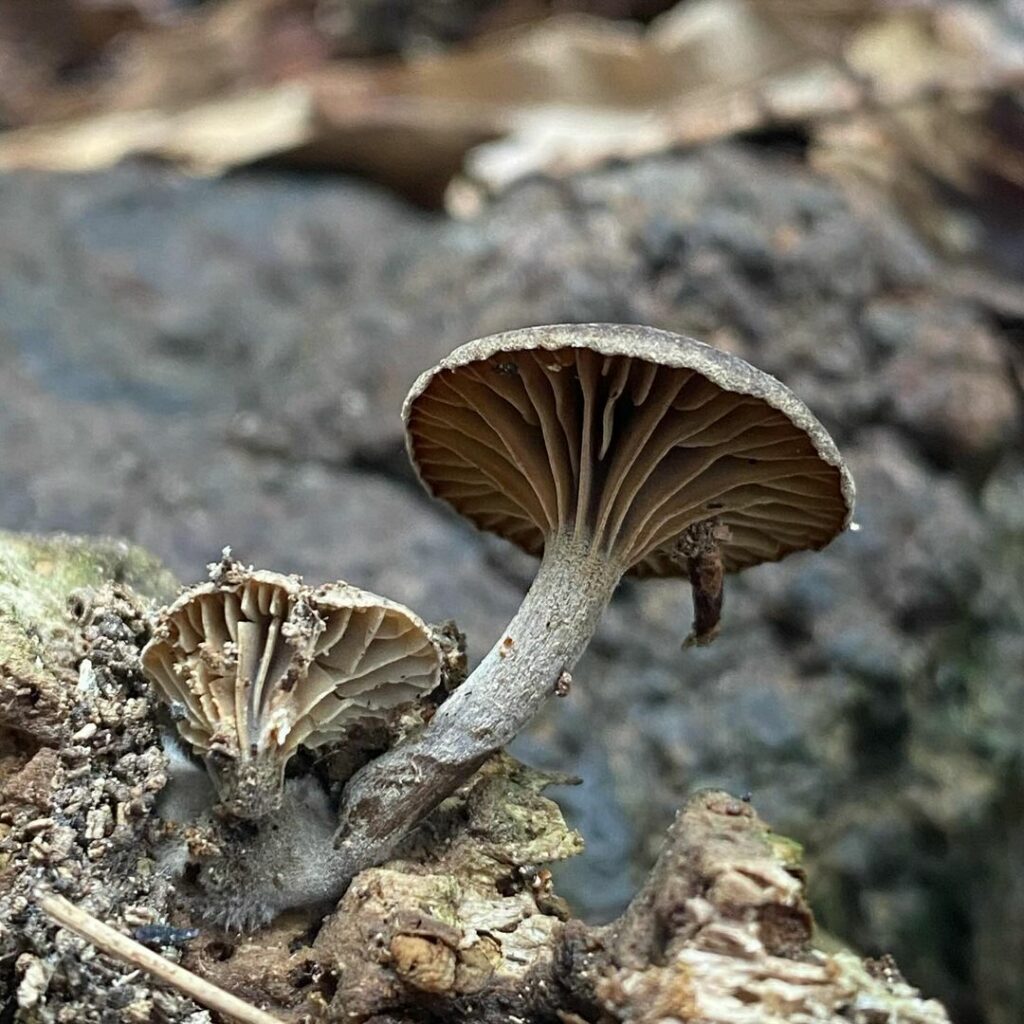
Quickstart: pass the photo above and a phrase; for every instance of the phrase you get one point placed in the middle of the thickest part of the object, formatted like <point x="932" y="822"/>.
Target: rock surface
<point x="191" y="364"/>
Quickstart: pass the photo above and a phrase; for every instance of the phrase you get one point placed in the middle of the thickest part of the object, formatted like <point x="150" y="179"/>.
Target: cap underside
<point x="264" y="664"/>
<point x="626" y="436"/>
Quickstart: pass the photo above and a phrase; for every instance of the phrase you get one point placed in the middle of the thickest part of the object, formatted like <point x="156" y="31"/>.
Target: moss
<point x="37" y="573"/>
<point x="515" y="825"/>
<point x="789" y="852"/>
<point x="38" y="576"/>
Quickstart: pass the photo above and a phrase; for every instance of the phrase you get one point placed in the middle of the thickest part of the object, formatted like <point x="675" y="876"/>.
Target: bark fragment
<point x="699" y="550"/>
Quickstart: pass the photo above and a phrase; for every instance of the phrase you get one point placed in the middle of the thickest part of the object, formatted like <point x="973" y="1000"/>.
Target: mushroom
<point x="253" y="663"/>
<point x="606" y="450"/>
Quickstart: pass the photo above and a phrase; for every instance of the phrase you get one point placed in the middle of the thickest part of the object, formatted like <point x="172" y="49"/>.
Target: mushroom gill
<point x="254" y="663"/>
<point x="624" y="452"/>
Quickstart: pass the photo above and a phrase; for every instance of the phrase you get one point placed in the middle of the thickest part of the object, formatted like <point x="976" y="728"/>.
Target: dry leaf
<point x="874" y="88"/>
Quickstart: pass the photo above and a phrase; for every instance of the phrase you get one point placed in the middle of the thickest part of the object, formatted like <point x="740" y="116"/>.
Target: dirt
<point x="77" y="819"/>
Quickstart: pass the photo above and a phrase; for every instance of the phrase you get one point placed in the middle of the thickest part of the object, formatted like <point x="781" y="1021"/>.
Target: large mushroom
<point x="254" y="664"/>
<point x="606" y="450"/>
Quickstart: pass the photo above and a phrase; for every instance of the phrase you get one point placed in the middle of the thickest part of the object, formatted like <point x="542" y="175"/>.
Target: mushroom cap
<point x="629" y="436"/>
<point x="255" y="663"/>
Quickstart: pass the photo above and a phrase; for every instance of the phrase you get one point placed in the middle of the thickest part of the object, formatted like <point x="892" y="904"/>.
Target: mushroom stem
<point x="385" y="799"/>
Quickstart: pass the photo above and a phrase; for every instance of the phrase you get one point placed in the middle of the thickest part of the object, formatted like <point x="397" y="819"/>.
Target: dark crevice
<point x="220" y="951"/>
<point x="792" y="140"/>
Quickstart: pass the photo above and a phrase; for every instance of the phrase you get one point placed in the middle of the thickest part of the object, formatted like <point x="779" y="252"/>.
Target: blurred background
<point x="232" y="233"/>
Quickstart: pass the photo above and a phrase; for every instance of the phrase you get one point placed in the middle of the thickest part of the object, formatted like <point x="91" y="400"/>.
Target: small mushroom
<point x="606" y="450"/>
<point x="254" y="663"/>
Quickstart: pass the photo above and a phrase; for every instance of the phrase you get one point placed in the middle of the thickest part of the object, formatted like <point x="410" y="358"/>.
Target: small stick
<point x="112" y="942"/>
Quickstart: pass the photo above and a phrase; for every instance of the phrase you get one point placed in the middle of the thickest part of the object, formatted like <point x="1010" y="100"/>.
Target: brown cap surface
<point x="627" y="436"/>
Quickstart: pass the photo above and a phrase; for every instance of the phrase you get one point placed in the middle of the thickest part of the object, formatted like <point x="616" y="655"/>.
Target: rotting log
<point x="720" y="933"/>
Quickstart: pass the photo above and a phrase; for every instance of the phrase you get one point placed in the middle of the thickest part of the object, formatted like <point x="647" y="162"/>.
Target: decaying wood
<point x="720" y="933"/>
<point x="700" y="551"/>
<point x="463" y="924"/>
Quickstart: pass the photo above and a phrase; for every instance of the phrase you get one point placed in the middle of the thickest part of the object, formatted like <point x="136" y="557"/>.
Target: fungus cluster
<point x="606" y="450"/>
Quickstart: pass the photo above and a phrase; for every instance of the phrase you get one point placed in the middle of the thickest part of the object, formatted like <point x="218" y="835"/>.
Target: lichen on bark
<point x="45" y="581"/>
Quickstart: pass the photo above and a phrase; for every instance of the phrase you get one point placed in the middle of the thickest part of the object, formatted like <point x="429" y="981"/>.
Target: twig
<point x="112" y="942"/>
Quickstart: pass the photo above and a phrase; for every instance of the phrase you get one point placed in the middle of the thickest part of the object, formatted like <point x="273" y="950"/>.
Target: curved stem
<point x="386" y="798"/>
